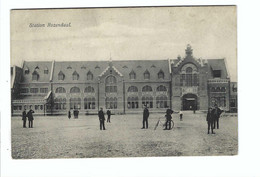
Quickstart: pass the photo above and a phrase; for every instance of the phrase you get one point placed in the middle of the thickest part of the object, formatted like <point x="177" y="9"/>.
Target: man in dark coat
<point x="101" y="119"/>
<point x="69" y="114"/>
<point x="30" y="117"/>
<point x="24" y="117"/>
<point x="108" y="115"/>
<point x="210" y="120"/>
<point x="168" y="119"/>
<point x="145" y="117"/>
<point x="216" y="114"/>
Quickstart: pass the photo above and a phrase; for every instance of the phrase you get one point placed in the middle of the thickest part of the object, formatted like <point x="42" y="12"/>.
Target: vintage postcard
<point x="124" y="82"/>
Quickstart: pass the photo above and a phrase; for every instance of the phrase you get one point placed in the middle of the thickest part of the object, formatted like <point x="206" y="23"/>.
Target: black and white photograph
<point x="124" y="82"/>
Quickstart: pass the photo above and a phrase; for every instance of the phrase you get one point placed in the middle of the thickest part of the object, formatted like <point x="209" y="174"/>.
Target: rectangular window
<point x="43" y="90"/>
<point x="34" y="90"/>
<point x="35" y="77"/>
<point x="60" y="77"/>
<point x="217" y="73"/>
<point x="24" y="90"/>
<point x="46" y="71"/>
<point x="75" y="77"/>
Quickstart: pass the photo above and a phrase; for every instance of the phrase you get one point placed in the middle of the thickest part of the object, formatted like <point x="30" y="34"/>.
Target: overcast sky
<point x="126" y="34"/>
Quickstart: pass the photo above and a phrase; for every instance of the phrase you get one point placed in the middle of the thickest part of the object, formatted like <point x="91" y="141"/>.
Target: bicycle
<point x="163" y="124"/>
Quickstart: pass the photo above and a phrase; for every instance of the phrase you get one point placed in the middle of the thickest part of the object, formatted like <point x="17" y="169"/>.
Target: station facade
<point x="123" y="86"/>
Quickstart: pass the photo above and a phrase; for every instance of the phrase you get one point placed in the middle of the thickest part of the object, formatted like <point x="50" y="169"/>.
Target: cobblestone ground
<point x="60" y="137"/>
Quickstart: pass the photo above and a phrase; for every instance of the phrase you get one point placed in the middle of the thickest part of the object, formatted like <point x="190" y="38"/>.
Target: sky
<point x="152" y="33"/>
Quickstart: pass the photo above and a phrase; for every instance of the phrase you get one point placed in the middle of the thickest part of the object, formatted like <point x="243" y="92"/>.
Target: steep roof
<point x="39" y="67"/>
<point x="140" y="66"/>
<point x="81" y="67"/>
<point x="123" y="67"/>
<point x="219" y="64"/>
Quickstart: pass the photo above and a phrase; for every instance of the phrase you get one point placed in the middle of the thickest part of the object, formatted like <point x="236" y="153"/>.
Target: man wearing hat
<point x="101" y="119"/>
<point x="216" y="114"/>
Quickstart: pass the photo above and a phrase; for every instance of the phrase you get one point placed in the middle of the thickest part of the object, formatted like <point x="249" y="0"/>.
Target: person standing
<point x="108" y="115"/>
<point x="181" y="115"/>
<point x="30" y="117"/>
<point x="216" y="114"/>
<point x="210" y="121"/>
<point x="145" y="117"/>
<point x="168" y="119"/>
<point x="69" y="114"/>
<point x="24" y="117"/>
<point x="101" y="119"/>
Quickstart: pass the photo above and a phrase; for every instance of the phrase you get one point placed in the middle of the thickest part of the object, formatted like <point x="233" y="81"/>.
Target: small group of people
<point x="75" y="113"/>
<point x="168" y="117"/>
<point x="102" y="119"/>
<point x="213" y="116"/>
<point x="28" y="115"/>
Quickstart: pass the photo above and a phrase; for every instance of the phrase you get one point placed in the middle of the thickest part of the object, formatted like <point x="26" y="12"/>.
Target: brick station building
<point x="123" y="86"/>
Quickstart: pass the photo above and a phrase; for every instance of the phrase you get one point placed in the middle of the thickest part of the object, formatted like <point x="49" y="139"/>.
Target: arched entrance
<point x="189" y="102"/>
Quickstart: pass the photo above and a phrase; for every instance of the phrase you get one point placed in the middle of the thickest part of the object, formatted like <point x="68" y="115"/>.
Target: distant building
<point x="54" y="87"/>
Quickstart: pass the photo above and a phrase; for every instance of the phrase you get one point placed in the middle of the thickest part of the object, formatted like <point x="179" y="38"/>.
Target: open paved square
<point x="60" y="137"/>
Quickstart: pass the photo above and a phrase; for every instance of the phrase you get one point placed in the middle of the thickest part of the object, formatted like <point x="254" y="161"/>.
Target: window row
<point x="45" y="71"/>
<point x="33" y="90"/>
<point x="218" y="89"/>
<point x="36" y="107"/>
<point x="74" y="103"/>
<point x="88" y="89"/>
<point x="161" y="102"/>
<point x="189" y="80"/>
<point x="75" y="76"/>
<point x="160" y="75"/>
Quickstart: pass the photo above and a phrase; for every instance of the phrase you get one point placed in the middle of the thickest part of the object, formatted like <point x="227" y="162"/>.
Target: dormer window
<point x="217" y="73"/>
<point x="139" y="66"/>
<point x="161" y="75"/>
<point x="89" y="76"/>
<point x="153" y="66"/>
<point x="132" y="75"/>
<point x="83" y="67"/>
<point x="61" y="76"/>
<point x="69" y="67"/>
<point x="125" y="67"/>
<point x="46" y="71"/>
<point x="146" y="75"/>
<point x="97" y="67"/>
<point x="35" y="76"/>
<point x="26" y="71"/>
<point x="37" y="67"/>
<point x="75" y="76"/>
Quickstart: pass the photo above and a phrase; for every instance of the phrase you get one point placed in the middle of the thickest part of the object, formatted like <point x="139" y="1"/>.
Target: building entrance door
<point x="189" y="102"/>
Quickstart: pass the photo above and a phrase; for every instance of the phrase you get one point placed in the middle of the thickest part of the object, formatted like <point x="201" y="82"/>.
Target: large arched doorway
<point x="189" y="102"/>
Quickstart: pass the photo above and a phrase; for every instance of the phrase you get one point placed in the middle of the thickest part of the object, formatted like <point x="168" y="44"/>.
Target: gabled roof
<point x="75" y="73"/>
<point x="60" y="73"/>
<point x="35" y="73"/>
